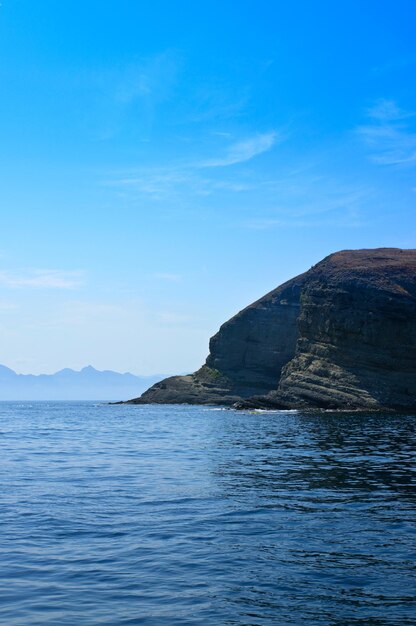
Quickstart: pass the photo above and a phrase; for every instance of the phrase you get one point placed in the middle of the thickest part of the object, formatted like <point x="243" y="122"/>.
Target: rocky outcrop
<point x="342" y="335"/>
<point x="357" y="344"/>
<point x="246" y="355"/>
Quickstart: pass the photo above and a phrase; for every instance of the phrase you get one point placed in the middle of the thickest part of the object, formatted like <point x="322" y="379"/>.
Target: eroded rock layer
<point x="342" y="335"/>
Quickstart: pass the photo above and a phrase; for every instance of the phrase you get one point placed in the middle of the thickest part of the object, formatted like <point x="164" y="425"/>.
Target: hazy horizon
<point x="165" y="164"/>
<point x="73" y="385"/>
<point x="83" y="368"/>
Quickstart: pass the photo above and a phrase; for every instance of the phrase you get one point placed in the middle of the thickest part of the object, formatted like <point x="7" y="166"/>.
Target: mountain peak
<point x="6" y="371"/>
<point x="68" y="384"/>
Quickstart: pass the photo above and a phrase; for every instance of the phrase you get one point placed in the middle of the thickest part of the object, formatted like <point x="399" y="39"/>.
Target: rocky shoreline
<point x="340" y="336"/>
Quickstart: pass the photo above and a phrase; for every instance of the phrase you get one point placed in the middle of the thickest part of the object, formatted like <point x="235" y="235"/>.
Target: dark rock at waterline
<point x="340" y="336"/>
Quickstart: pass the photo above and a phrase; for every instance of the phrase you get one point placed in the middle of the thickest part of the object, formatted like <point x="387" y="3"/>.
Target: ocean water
<point x="153" y="515"/>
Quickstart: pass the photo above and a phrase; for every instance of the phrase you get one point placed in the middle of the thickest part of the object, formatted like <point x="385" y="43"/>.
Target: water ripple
<point x="118" y="515"/>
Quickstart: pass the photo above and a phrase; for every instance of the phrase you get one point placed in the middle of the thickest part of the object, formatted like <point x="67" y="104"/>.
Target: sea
<point x="121" y="515"/>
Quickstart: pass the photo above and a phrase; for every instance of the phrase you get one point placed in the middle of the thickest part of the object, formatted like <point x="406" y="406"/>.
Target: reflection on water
<point x="189" y="515"/>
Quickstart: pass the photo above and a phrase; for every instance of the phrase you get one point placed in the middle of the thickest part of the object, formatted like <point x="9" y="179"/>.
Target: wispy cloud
<point x="153" y="77"/>
<point x="212" y="101"/>
<point x="173" y="278"/>
<point x="344" y="221"/>
<point x="387" y="111"/>
<point x="157" y="182"/>
<point x="165" y="183"/>
<point x="41" y="278"/>
<point x="305" y="200"/>
<point x="398" y="63"/>
<point x="128" y="95"/>
<point x="169" y="317"/>
<point x="196" y="177"/>
<point x="7" y="306"/>
<point x="389" y="134"/>
<point x="244" y="150"/>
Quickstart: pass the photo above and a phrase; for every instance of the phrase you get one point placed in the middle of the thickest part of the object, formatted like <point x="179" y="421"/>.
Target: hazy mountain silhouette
<point x="68" y="384"/>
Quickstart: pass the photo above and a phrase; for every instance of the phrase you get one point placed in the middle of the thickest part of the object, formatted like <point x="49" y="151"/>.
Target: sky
<point x="163" y="164"/>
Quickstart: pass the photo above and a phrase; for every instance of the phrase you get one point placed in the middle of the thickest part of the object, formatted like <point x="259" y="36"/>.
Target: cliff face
<point x="357" y="327"/>
<point x="342" y="335"/>
<point x="246" y="355"/>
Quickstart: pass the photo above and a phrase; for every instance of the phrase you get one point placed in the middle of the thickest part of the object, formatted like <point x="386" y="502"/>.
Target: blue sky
<point x="163" y="164"/>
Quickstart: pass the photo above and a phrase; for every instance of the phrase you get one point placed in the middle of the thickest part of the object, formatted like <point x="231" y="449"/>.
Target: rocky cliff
<point x="342" y="335"/>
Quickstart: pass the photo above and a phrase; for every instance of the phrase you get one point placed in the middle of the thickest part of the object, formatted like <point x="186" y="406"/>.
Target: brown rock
<point x="342" y="335"/>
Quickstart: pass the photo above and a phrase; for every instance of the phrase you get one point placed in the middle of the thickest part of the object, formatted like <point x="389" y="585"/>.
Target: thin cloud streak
<point x="390" y="139"/>
<point x="245" y="150"/>
<point x="347" y="221"/>
<point x="6" y="306"/>
<point x="387" y="111"/>
<point x="41" y="278"/>
<point x="163" y="181"/>
<point x="173" y="278"/>
<point x="315" y="202"/>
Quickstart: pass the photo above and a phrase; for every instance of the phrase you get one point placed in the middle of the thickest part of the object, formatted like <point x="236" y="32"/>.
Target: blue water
<point x="118" y="515"/>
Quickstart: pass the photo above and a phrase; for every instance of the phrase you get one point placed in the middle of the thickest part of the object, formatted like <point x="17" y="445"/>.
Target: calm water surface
<point x="118" y="515"/>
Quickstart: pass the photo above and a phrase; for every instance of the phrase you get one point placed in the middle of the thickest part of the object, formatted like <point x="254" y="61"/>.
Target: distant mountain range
<point x="68" y="384"/>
